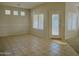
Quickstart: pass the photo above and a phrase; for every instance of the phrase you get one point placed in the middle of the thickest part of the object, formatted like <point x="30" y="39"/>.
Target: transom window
<point x="7" y="12"/>
<point x="15" y="13"/>
<point x="22" y="13"/>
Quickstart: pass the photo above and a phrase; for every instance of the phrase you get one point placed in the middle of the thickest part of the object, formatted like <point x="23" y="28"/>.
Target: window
<point x="22" y="13"/>
<point x="7" y="12"/>
<point x="41" y="21"/>
<point x="38" y="21"/>
<point x="35" y="21"/>
<point x="55" y="24"/>
<point x="15" y="13"/>
<point x="72" y="22"/>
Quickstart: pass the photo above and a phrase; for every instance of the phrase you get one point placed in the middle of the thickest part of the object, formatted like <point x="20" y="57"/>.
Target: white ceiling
<point x="27" y="5"/>
<point x="73" y="3"/>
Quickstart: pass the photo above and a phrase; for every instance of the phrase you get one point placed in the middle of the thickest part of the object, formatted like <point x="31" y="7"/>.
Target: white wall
<point x="70" y="8"/>
<point x="13" y="25"/>
<point x="78" y="21"/>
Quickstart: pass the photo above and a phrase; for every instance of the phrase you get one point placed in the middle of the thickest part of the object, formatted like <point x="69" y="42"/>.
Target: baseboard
<point x="14" y="34"/>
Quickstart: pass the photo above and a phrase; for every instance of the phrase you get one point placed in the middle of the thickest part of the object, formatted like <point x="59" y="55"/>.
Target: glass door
<point x="54" y="24"/>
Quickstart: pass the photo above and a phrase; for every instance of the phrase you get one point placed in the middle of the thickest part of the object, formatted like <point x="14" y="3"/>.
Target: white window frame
<point x="38" y="26"/>
<point x="72" y="22"/>
<point x="7" y="12"/>
<point x="15" y="13"/>
<point x="22" y="13"/>
<point x="41" y="23"/>
<point x="35" y="21"/>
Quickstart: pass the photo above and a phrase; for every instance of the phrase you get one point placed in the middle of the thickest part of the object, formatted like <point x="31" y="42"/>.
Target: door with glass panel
<point x="54" y="24"/>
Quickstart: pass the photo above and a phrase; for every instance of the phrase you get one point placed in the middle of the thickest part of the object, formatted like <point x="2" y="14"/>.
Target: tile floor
<point x="74" y="43"/>
<point x="29" y="45"/>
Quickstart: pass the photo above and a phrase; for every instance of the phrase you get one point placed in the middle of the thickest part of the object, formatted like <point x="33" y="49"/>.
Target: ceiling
<point x="73" y="3"/>
<point x="26" y="5"/>
<point x="29" y="5"/>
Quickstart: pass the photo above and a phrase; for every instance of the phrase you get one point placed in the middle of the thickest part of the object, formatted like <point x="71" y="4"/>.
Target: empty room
<point x="39" y="28"/>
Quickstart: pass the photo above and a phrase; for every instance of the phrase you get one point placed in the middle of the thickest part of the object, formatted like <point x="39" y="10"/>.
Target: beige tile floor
<point x="74" y="43"/>
<point x="29" y="45"/>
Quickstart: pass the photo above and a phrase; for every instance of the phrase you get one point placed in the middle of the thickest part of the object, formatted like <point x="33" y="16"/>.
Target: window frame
<point x="22" y="13"/>
<point x="71" y="23"/>
<point x="38" y="21"/>
<point x="7" y="12"/>
<point x="15" y="12"/>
